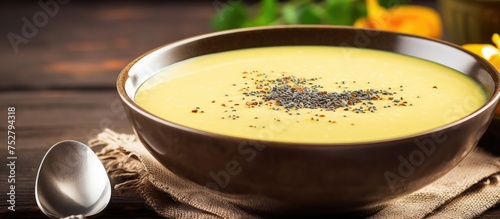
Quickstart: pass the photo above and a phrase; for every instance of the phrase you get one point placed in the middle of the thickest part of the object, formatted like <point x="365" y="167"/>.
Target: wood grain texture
<point x="62" y="80"/>
<point x="46" y="117"/>
<point x="86" y="45"/>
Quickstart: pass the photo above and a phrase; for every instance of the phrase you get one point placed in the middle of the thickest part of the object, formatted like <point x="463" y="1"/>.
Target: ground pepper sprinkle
<point x="292" y="93"/>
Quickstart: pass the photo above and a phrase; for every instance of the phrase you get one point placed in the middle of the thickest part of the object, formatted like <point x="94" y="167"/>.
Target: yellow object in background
<point x="411" y="19"/>
<point x="488" y="52"/>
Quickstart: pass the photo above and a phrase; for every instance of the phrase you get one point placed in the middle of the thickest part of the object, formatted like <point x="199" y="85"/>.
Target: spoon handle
<point x="74" y="217"/>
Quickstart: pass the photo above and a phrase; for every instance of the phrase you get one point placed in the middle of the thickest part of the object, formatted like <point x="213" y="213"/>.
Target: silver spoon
<point x="71" y="182"/>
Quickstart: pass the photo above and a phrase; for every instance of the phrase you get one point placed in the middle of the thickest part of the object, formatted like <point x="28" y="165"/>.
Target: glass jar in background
<point x="470" y="21"/>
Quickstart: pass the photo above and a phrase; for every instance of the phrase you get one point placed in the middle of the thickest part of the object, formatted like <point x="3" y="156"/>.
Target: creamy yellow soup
<point x="314" y="94"/>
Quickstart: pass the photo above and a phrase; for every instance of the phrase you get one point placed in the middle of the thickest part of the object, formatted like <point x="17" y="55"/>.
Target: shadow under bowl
<point x="301" y="178"/>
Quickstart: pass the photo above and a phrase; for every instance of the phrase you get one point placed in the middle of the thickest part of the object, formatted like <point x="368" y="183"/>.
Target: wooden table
<point x="59" y="73"/>
<point x="62" y="80"/>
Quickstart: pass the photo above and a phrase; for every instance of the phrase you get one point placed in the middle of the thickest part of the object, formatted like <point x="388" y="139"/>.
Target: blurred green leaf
<point x="339" y="12"/>
<point x="392" y="3"/>
<point x="310" y="14"/>
<point x="269" y="12"/>
<point x="290" y="13"/>
<point x="230" y="15"/>
<point x="361" y="9"/>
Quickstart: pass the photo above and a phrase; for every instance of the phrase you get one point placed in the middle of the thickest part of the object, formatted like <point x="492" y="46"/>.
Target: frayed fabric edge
<point x="130" y="177"/>
<point x="123" y="167"/>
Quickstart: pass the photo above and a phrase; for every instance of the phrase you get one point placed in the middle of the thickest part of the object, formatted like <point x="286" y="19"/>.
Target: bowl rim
<point x="123" y="77"/>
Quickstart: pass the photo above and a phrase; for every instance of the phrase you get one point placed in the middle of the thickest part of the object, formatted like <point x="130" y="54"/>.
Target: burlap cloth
<point x="467" y="191"/>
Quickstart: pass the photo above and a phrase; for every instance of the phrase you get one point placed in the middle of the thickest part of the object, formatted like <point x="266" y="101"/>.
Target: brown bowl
<point x="300" y="178"/>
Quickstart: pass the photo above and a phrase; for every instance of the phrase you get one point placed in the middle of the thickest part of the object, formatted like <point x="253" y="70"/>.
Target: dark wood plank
<point x="46" y="117"/>
<point x="87" y="44"/>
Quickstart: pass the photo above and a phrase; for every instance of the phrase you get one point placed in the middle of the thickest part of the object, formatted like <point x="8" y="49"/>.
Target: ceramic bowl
<point x="301" y="178"/>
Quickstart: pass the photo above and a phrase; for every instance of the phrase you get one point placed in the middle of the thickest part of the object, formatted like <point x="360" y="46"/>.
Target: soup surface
<point x="314" y="94"/>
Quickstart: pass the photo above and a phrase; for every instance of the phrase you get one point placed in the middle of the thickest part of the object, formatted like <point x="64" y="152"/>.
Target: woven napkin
<point x="467" y="191"/>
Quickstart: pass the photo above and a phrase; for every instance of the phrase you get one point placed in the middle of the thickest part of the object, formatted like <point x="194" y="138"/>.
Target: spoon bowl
<point x="71" y="181"/>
